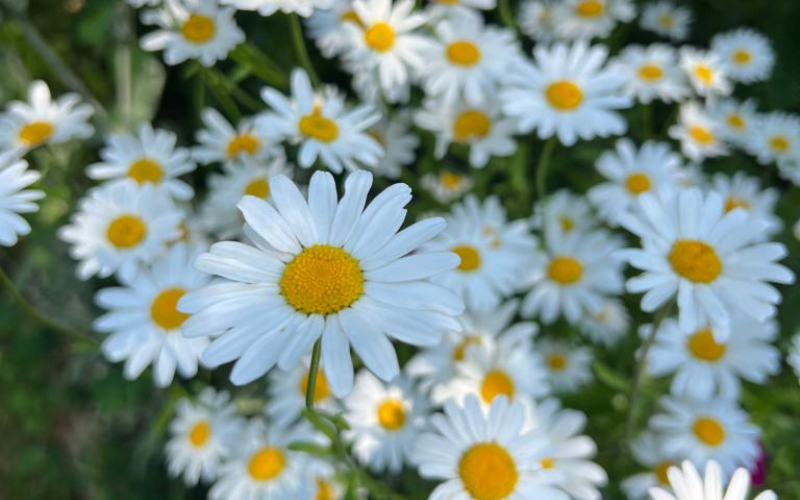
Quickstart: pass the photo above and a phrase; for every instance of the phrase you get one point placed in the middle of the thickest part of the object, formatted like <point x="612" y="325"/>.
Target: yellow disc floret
<point x="564" y="95"/>
<point x="164" y="309"/>
<point x="496" y="383"/>
<point x="703" y="345"/>
<point x="200" y="433"/>
<point x="267" y="464"/>
<point x="392" y="415"/>
<point x="322" y="279"/>
<point x="709" y="431"/>
<point x="565" y="270"/>
<point x="126" y="231"/>
<point x="695" y="260"/>
<point x="35" y="133"/>
<point x="198" y="28"/>
<point x="380" y="36"/>
<point x="146" y="170"/>
<point x="463" y="53"/>
<point x="470" y="257"/>
<point x="243" y="143"/>
<point x="488" y="472"/>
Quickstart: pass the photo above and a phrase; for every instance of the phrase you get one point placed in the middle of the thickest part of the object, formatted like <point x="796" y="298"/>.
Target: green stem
<point x="301" y="50"/>
<point x="542" y="167"/>
<point x="312" y="374"/>
<point x="507" y="15"/>
<point x="260" y="64"/>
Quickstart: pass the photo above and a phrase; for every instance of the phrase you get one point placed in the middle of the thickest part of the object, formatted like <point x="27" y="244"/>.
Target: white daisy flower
<point x="572" y="274"/>
<point x="699" y="134"/>
<point x="202" y="435"/>
<point x="327" y="28"/>
<point x="399" y="144"/>
<point x="563" y="213"/>
<point x="264" y="467"/>
<point x="736" y="120"/>
<point x="221" y="142"/>
<point x="648" y="450"/>
<point x="630" y="172"/>
<point x="747" y="55"/>
<point x="143" y="322"/>
<point x="484" y="129"/>
<point x="266" y="8"/>
<point x="692" y="249"/>
<point x="536" y="20"/>
<point x="704" y="366"/>
<point x="608" y="324"/>
<point x="688" y="485"/>
<point x="775" y="137"/>
<point x="585" y="19"/>
<point x="385" y="419"/>
<point x="192" y="29"/>
<point x="327" y="486"/>
<point x="568" y="367"/>
<point x="323" y="268"/>
<point x="485" y="454"/>
<point x="148" y="157"/>
<point x="287" y="393"/>
<point x="793" y="358"/>
<point x="712" y="429"/>
<point x="490" y="267"/>
<point x="446" y="186"/>
<point x="705" y="71"/>
<point x="745" y="193"/>
<point x="120" y="227"/>
<point x="667" y="19"/>
<point x="651" y="73"/>
<point x="25" y="125"/>
<point x="567" y="92"/>
<point x="322" y="126"/>
<point x="15" y="199"/>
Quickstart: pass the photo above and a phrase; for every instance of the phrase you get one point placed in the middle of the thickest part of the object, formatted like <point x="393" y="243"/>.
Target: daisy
<point x="322" y="126"/>
<point x="564" y="212"/>
<point x="648" y="450"/>
<point x="651" y="73"/>
<point x="630" y="172"/>
<point x="202" y="436"/>
<point x="287" y="393"/>
<point x="264" y="467"/>
<point x="484" y="129"/>
<point x="703" y="366"/>
<point x="221" y="142"/>
<point x="745" y="193"/>
<point x="149" y="157"/>
<point x="747" y="55"/>
<point x="712" y="429"/>
<point x="120" y="227"/>
<point x="192" y="29"/>
<point x="446" y="186"/>
<point x="484" y="454"/>
<point x="705" y="71"/>
<point x="398" y="144"/>
<point x="775" y="137"/>
<point x="567" y="92"/>
<point x="536" y="20"/>
<point x="320" y="268"/>
<point x="587" y="19"/>
<point x="736" y="120"/>
<point x="571" y="275"/>
<point x="25" y="125"/>
<point x="488" y="270"/>
<point x="143" y="322"/>
<point x="385" y="420"/>
<point x="700" y="135"/>
<point x="692" y="249"/>
<point x="326" y="485"/>
<point x="568" y="367"/>
<point x="327" y="27"/>
<point x="667" y="19"/>
<point x="608" y="324"/>
<point x="266" y="8"/>
<point x="15" y="199"/>
<point x="688" y="485"/>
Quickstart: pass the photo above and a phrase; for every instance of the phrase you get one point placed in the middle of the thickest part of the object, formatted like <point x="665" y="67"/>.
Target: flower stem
<point x="312" y="374"/>
<point x="507" y="15"/>
<point x="301" y="50"/>
<point x="542" y="167"/>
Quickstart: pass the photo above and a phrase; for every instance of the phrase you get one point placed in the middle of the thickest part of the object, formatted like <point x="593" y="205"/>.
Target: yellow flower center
<point x="565" y="270"/>
<point x="733" y="203"/>
<point x="701" y="135"/>
<point x="661" y="471"/>
<point x="200" y="433"/>
<point x="637" y="183"/>
<point x="126" y="231"/>
<point x="470" y="125"/>
<point x="463" y="53"/>
<point x="318" y="127"/>
<point x="496" y="383"/>
<point x="198" y="28"/>
<point x="779" y="144"/>
<point x="392" y="415"/>
<point x="704" y="74"/>
<point x="352" y="17"/>
<point x="470" y="258"/>
<point x="380" y="36"/>
<point x="461" y="348"/>
<point x="164" y="309"/>
<point x="735" y="121"/>
<point x="322" y="390"/>
<point x="450" y="181"/>
<point x="35" y="133"/>
<point x="703" y="346"/>
<point x="709" y="431"/>
<point x="590" y="8"/>
<point x="258" y="187"/>
<point x="564" y="95"/>
<point x="557" y="361"/>
<point x="145" y="170"/>
<point x="267" y="464"/>
<point x="666" y="21"/>
<point x="244" y="143"/>
<point x="488" y="472"/>
<point x="694" y="260"/>
<point x="566" y="224"/>
<point x="324" y="490"/>
<point x="547" y="463"/>
<point x="742" y="57"/>
<point x="322" y="279"/>
<point x="651" y="73"/>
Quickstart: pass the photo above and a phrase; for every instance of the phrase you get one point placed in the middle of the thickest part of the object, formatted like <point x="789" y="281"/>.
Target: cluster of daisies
<point x="304" y="282"/>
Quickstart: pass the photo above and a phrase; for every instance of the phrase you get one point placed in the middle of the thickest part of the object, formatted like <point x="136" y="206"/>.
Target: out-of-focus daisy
<point x="712" y="429"/>
<point x="15" y="199"/>
<point x="567" y="92"/>
<point x="775" y="136"/>
<point x="484" y="129"/>
<point x="192" y="29"/>
<point x="667" y="19"/>
<point x="268" y="7"/>
<point x="572" y="274"/>
<point x="631" y="172"/>
<point x="320" y="267"/>
<point x="700" y="135"/>
<point x="203" y="435"/>
<point x="574" y="19"/>
<point x="263" y="466"/>
<point x="747" y="55"/>
<point x="651" y="73"/>
<point x="326" y="485"/>
<point x="568" y="367"/>
<point x="143" y="321"/>
<point x="327" y="27"/>
<point x="745" y="193"/>
<point x="688" y="485"/>
<point x="536" y="20"/>
<point x="447" y="185"/>
<point x="692" y="249"/>
<point x="736" y="120"/>
<point x="120" y="227"/>
<point x="484" y="455"/>
<point x="287" y="393"/>
<point x="705" y="71"/>
<point x="221" y="142"/>
<point x="564" y="212"/>
<point x="648" y="450"/>
<point x="608" y="324"/>
<point x="25" y="125"/>
<point x="148" y="157"/>
<point x="322" y="126"/>
<point x="398" y="144"/>
<point x="385" y="420"/>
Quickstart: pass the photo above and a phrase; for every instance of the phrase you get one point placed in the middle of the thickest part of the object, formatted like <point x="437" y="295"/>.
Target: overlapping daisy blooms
<point x="492" y="252"/>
